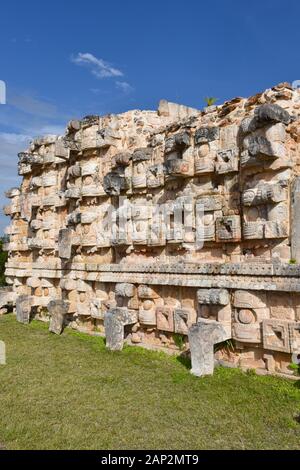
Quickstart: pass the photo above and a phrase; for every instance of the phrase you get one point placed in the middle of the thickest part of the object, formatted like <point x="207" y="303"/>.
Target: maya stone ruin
<point x="142" y="278"/>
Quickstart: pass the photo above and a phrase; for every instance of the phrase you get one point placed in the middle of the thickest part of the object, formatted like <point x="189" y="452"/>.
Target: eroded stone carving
<point x="144" y="222"/>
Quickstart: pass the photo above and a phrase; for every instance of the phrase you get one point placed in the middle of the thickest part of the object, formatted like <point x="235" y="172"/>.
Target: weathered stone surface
<point x="23" y="308"/>
<point x="206" y="134"/>
<point x="57" y="311"/>
<point x="143" y="222"/>
<point x="272" y="113"/>
<point x="213" y="296"/>
<point x="202" y="337"/>
<point x="114" y="322"/>
<point x="65" y="243"/>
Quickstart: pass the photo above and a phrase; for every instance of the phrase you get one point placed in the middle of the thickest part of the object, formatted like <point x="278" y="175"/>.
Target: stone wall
<point x="89" y="249"/>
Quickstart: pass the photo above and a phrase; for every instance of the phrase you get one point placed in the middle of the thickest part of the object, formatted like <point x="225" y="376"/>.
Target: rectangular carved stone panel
<point x="183" y="319"/>
<point x="276" y="335"/>
<point x="165" y="318"/>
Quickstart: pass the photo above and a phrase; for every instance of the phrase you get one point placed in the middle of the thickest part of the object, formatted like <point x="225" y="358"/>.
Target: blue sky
<point x="66" y="59"/>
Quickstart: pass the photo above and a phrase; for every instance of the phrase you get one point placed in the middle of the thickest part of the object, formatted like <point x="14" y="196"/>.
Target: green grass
<point x="68" y="392"/>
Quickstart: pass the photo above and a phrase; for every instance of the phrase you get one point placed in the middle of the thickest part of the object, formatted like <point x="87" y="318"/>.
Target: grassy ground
<point x="68" y="392"/>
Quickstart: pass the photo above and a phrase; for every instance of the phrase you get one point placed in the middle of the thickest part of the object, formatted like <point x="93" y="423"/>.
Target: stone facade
<point x="88" y="248"/>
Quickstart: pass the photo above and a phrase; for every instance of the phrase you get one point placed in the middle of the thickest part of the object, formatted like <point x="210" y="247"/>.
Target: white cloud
<point x="99" y="67"/>
<point x="124" y="86"/>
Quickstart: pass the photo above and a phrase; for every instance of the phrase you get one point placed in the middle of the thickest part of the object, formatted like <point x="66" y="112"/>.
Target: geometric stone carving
<point x="165" y="318"/>
<point x="264" y="194"/>
<point x="228" y="228"/>
<point x="146" y="292"/>
<point x="204" y="135"/>
<point x="294" y="330"/>
<point x="244" y="299"/>
<point x="57" y="310"/>
<point x="202" y="337"/>
<point x="276" y="335"/>
<point x="183" y="319"/>
<point x="147" y="313"/>
<point x="125" y="289"/>
<point x="23" y="308"/>
<point x="227" y="161"/>
<point x="114" y="321"/>
<point x="213" y="296"/>
<point x="247" y="333"/>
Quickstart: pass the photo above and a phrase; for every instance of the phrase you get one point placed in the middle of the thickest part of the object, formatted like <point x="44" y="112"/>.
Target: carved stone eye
<point x="246" y="316"/>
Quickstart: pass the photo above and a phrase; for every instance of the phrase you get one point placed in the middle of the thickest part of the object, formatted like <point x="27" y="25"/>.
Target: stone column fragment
<point x="203" y="335"/>
<point x="57" y="310"/>
<point x="114" y="322"/>
<point x="23" y="308"/>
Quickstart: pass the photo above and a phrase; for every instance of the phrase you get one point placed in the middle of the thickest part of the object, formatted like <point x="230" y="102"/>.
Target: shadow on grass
<point x="184" y="359"/>
<point x="297" y="384"/>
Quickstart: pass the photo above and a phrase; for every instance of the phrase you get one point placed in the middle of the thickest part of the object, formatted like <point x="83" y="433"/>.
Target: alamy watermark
<point x="2" y="92"/>
<point x="181" y="220"/>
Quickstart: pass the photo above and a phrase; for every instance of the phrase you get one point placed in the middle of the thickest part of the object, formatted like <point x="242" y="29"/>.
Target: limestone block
<point x="114" y="322"/>
<point x="227" y="160"/>
<point x="203" y="164"/>
<point x="12" y="193"/>
<point x="124" y="289"/>
<point x="175" y="111"/>
<point x="89" y="169"/>
<point x="139" y="174"/>
<point x="57" y="311"/>
<point x="73" y="193"/>
<point x="202" y="338"/>
<point x="248" y="299"/>
<point x="276" y="335"/>
<point x="253" y="230"/>
<point x="121" y="159"/>
<point x="74" y="218"/>
<point x="155" y="175"/>
<point x="204" y="135"/>
<point x="6" y="296"/>
<point x="247" y="333"/>
<point x="228" y="228"/>
<point x="147" y="313"/>
<point x="96" y="309"/>
<point x="259" y="146"/>
<point x="294" y="333"/>
<point x="276" y="230"/>
<point x="114" y="183"/>
<point x="49" y="179"/>
<point x="179" y="167"/>
<point x="183" y="320"/>
<point x="165" y="318"/>
<point x="264" y="194"/>
<point x="23" y="308"/>
<point x="210" y="203"/>
<point x="65" y="243"/>
<point x="177" y="142"/>
<point x="74" y="171"/>
<point x="146" y="292"/>
<point x="270" y="113"/>
<point x="295" y="220"/>
<point x="213" y="297"/>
